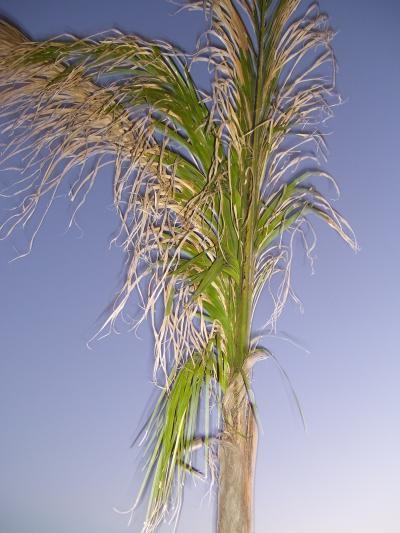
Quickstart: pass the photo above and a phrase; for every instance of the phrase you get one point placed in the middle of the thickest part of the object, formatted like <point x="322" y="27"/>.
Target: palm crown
<point x="206" y="185"/>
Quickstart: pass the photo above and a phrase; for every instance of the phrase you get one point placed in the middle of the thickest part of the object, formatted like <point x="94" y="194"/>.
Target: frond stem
<point x="250" y="195"/>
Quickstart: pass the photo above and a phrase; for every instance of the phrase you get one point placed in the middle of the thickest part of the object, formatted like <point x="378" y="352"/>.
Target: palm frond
<point x="171" y="437"/>
<point x="210" y="188"/>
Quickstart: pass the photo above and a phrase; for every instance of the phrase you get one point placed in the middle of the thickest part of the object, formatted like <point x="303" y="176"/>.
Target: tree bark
<point x="237" y="456"/>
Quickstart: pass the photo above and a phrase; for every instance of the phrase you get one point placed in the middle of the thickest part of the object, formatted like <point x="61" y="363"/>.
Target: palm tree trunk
<point x="237" y="456"/>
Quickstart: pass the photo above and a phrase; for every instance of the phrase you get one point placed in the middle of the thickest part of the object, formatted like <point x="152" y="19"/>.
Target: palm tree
<point x="211" y="189"/>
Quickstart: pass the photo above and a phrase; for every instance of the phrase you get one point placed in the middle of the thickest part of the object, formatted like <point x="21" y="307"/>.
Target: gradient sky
<point x="68" y="414"/>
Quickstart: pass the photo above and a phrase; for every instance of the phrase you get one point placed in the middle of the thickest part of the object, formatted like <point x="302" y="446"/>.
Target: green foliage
<point x="171" y="429"/>
<point x="210" y="188"/>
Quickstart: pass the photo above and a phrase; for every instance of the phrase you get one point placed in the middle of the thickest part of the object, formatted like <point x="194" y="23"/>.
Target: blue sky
<point x="68" y="414"/>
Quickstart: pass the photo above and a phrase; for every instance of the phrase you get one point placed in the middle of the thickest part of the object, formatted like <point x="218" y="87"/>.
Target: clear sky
<point x="68" y="414"/>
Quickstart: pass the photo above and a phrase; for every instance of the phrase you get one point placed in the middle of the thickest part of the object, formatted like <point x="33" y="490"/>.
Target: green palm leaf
<point x="210" y="190"/>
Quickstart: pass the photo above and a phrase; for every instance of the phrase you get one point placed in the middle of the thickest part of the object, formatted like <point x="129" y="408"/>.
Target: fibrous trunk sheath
<point x="237" y="455"/>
